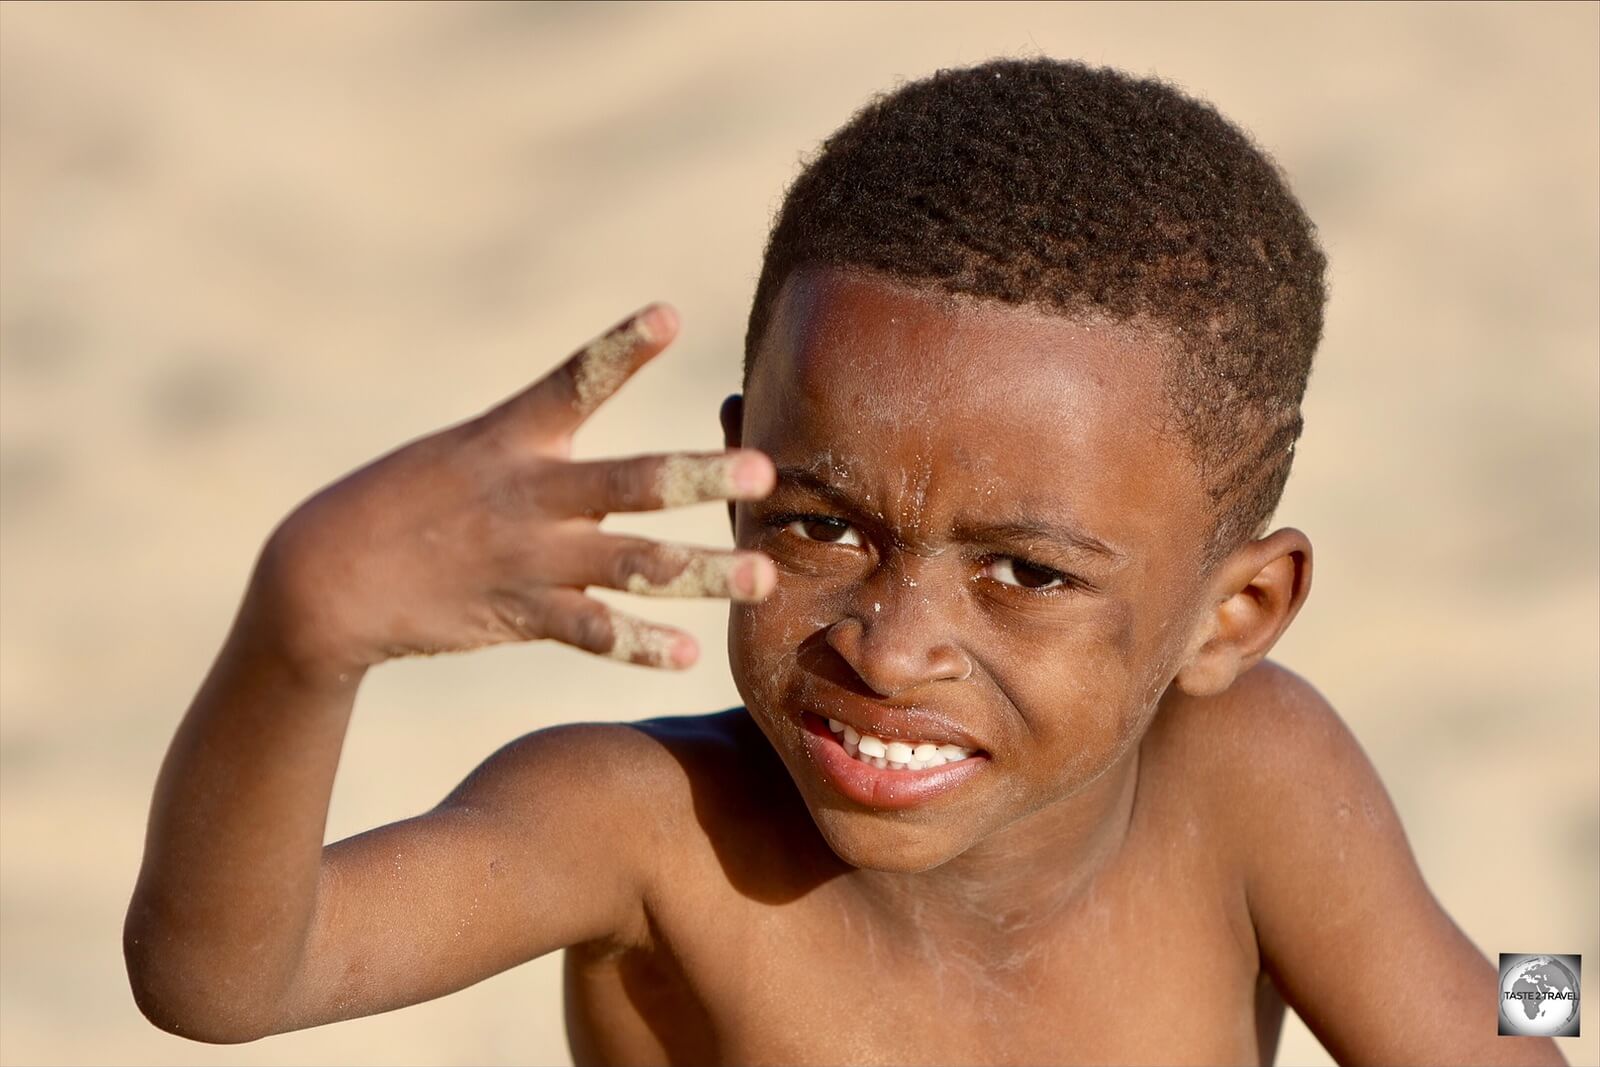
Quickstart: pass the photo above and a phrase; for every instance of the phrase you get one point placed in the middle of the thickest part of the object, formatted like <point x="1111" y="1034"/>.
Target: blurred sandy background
<point x="246" y="248"/>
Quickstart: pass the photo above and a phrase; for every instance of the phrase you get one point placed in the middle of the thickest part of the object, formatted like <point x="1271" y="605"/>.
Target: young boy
<point x="1011" y="782"/>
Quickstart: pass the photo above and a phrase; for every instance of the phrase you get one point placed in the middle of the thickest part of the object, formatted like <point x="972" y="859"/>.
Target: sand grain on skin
<point x="639" y="642"/>
<point x="606" y="364"/>
<point x="701" y="575"/>
<point x="692" y="479"/>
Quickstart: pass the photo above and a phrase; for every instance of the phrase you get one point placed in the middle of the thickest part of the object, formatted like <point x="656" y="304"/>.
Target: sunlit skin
<point x="1031" y="577"/>
<point x="956" y="520"/>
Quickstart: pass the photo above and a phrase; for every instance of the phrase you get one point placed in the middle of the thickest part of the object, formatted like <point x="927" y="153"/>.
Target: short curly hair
<point x="1086" y="191"/>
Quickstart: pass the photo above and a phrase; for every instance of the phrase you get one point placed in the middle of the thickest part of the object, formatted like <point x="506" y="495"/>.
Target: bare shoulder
<point x="624" y="772"/>
<point x="741" y="822"/>
<point x="691" y="806"/>
<point x="678" y="779"/>
<point x="1275" y="767"/>
<point x="1268" y="695"/>
<point x="1334" y="896"/>
<point x="1270" y="730"/>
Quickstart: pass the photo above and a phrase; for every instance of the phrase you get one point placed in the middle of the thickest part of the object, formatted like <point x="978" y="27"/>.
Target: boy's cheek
<point x="1079" y="718"/>
<point x="764" y="641"/>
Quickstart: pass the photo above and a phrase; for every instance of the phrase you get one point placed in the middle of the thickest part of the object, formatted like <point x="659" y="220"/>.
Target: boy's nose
<point x="896" y="645"/>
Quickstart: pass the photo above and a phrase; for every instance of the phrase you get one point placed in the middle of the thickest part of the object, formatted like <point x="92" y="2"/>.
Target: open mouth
<point x="893" y="754"/>
<point x="886" y="773"/>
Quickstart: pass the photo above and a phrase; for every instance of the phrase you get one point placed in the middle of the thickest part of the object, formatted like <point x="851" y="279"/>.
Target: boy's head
<point x="1028" y="349"/>
<point x="1089" y="193"/>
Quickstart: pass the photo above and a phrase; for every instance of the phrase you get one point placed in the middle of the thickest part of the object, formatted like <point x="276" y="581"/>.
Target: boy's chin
<point x="877" y="843"/>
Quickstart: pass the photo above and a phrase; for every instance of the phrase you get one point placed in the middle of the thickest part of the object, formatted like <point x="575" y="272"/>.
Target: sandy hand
<point x="488" y="532"/>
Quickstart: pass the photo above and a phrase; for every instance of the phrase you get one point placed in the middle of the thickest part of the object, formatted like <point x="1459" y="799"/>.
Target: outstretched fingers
<point x="650" y="568"/>
<point x="558" y="403"/>
<point x="583" y="622"/>
<point x="646" y="483"/>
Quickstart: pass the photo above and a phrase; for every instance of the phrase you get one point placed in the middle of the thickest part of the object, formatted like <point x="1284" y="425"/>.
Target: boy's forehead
<point x="879" y="384"/>
<point x="847" y="336"/>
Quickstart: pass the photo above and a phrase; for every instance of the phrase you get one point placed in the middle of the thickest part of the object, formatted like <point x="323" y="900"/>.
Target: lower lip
<point x="876" y="787"/>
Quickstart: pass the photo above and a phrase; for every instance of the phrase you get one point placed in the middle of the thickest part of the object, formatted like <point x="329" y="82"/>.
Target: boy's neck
<point x="1019" y="880"/>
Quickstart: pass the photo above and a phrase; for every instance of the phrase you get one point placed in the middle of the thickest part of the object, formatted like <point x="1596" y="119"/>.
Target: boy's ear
<point x="1255" y="596"/>
<point x="732" y="418"/>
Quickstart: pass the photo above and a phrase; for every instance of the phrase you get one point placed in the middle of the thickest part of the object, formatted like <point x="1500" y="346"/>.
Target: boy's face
<point x="984" y="536"/>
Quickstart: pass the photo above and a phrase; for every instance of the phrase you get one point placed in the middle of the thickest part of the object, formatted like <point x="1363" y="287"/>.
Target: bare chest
<point x="1135" y="977"/>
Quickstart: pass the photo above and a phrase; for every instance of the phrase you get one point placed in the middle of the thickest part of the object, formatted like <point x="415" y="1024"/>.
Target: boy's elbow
<point x="186" y="1016"/>
<point x="197" y="1023"/>
<point x="171" y="993"/>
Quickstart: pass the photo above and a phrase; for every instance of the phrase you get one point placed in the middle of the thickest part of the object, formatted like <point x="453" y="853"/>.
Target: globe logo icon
<point x="1538" y="997"/>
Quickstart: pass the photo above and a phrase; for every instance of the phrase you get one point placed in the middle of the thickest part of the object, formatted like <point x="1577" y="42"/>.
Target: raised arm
<point x="242" y="924"/>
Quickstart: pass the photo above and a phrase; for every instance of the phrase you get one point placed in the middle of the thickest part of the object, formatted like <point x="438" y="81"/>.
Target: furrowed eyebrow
<point x="1027" y="529"/>
<point x="1038" y="530"/>
<point x="811" y="482"/>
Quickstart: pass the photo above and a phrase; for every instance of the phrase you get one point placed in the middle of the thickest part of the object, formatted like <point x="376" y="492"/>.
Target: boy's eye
<point x="826" y="530"/>
<point x="1008" y="570"/>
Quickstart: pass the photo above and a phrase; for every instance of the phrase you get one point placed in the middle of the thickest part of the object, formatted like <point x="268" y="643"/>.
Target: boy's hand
<point x="487" y="532"/>
<point x="242" y="924"/>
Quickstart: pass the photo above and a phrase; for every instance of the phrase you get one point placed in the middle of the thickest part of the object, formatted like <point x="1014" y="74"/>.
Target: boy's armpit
<point x="547" y="844"/>
<point x="1347" y="927"/>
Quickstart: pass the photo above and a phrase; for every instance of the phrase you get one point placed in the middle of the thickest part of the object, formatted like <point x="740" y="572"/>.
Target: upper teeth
<point x="896" y="755"/>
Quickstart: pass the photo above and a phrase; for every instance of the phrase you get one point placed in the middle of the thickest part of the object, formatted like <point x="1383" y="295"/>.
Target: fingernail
<point x="744" y="579"/>
<point x="751" y="475"/>
<point x="651" y="324"/>
<point x="750" y="581"/>
<point x="684" y="653"/>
